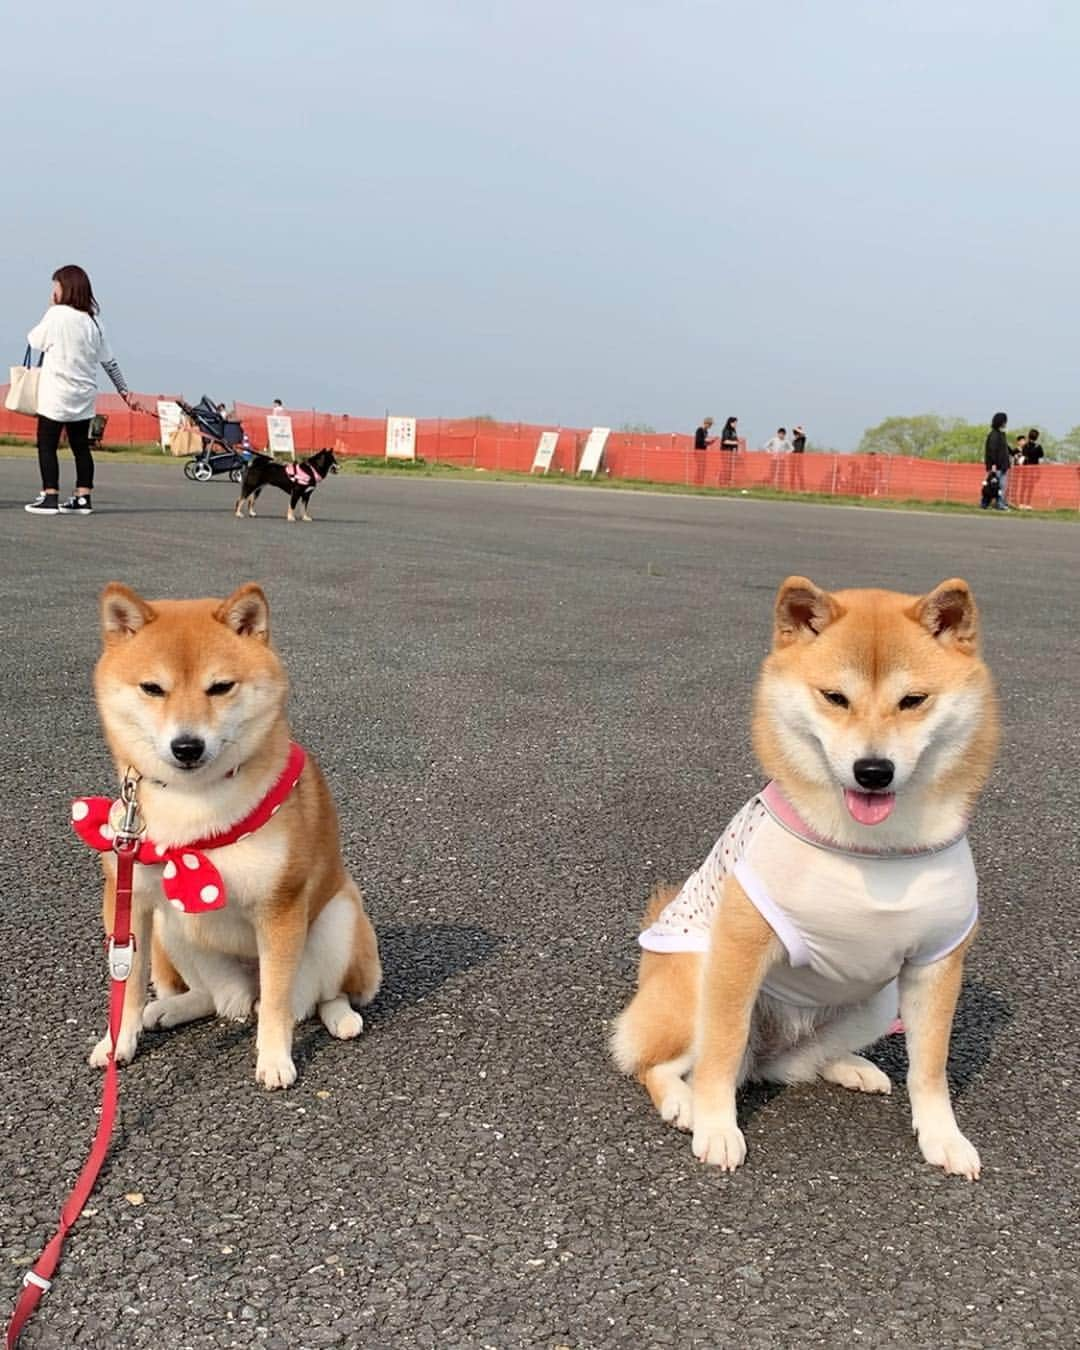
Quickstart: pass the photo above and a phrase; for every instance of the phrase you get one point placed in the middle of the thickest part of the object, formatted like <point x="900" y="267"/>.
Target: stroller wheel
<point x="189" y="470"/>
<point x="236" y="475"/>
<point x="201" y="471"/>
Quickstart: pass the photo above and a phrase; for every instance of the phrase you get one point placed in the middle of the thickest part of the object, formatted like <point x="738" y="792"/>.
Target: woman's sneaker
<point x="77" y="506"/>
<point x="44" y="504"/>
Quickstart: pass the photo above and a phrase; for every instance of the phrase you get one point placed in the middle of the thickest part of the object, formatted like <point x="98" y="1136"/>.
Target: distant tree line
<point x="928" y="436"/>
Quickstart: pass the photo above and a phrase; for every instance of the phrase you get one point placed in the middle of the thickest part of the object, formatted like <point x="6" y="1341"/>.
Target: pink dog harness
<point x="303" y="475"/>
<point x="189" y="879"/>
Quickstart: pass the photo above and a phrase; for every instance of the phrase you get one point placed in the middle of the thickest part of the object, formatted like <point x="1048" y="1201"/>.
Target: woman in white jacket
<point x="74" y="346"/>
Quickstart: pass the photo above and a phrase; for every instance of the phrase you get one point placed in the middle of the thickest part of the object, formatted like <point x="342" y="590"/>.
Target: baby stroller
<point x="225" y="447"/>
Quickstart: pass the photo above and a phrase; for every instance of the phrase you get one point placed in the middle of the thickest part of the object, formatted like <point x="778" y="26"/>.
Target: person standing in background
<point x="74" y="345"/>
<point x="779" y="446"/>
<point x="729" y="441"/>
<point x="1029" y="469"/>
<point x="702" y="441"/>
<point x="798" y="447"/>
<point x="996" y="457"/>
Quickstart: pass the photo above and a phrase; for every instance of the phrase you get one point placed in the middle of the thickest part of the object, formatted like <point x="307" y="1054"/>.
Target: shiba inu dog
<point x="844" y="886"/>
<point x="239" y="886"/>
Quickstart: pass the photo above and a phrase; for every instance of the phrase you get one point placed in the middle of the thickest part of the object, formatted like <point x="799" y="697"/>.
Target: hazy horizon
<point x="628" y="213"/>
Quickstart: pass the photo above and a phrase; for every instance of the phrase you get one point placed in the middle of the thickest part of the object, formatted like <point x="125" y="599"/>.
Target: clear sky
<point x="822" y="212"/>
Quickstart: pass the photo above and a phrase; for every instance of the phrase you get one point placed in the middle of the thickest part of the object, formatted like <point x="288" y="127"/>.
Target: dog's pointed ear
<point x="949" y="614"/>
<point x="246" y="612"/>
<point x="802" y="611"/>
<point x="123" y="613"/>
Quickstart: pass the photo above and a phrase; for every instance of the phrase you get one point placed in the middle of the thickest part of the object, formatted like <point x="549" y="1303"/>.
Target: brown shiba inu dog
<point x="845" y="887"/>
<point x="192" y="697"/>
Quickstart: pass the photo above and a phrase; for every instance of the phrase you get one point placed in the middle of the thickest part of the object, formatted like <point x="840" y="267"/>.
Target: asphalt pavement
<point x="530" y="703"/>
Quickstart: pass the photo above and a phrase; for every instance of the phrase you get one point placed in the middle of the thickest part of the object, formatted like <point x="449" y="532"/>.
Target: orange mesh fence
<point x="478" y="443"/>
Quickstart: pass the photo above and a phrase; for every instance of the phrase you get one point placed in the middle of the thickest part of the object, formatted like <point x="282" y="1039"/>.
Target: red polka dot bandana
<point x="189" y="879"/>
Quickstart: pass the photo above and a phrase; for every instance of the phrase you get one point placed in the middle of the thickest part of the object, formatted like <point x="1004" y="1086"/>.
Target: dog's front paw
<point x="720" y="1145"/>
<point x="275" y="1071"/>
<point x="677" y="1107"/>
<point x="950" y="1151"/>
<point x="125" y="1049"/>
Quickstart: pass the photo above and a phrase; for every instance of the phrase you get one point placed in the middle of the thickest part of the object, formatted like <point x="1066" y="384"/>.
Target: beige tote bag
<point x="23" y="395"/>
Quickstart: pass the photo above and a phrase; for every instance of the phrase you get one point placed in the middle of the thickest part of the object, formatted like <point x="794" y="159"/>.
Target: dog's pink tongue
<point x="869" y="808"/>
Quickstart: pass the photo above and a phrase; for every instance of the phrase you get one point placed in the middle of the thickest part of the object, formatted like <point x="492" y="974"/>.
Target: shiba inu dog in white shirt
<point x="842" y="889"/>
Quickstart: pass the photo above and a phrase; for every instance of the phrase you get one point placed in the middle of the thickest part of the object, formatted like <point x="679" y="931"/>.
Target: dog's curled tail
<point x="658" y="1023"/>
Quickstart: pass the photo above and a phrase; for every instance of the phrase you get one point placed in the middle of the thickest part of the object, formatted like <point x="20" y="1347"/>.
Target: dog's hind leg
<point x="176" y="1010"/>
<point x="340" y="958"/>
<point x="340" y="1019"/>
<point x="653" y="1036"/>
<point x="830" y="1052"/>
<point x="164" y="976"/>
<point x="363" y="975"/>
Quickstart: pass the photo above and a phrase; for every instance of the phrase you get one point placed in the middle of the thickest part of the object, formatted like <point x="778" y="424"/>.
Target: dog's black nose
<point x="873" y="773"/>
<point x="187" y="750"/>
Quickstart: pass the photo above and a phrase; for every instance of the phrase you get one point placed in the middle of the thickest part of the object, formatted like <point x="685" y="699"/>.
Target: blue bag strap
<point x="28" y="362"/>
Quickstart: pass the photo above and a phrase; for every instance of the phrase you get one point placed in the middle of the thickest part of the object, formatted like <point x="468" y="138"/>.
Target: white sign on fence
<point x="594" y="449"/>
<point x="401" y="438"/>
<point x="170" y="416"/>
<point x="279" y="435"/>
<point x="545" y="451"/>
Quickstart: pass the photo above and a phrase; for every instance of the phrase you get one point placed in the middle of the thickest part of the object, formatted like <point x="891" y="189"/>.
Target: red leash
<point x="38" y="1279"/>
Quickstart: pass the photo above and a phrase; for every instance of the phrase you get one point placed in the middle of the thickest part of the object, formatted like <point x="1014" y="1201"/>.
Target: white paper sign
<point x="545" y="450"/>
<point x="594" y="449"/>
<point x="170" y="416"/>
<point x="401" y="438"/>
<point x="279" y="435"/>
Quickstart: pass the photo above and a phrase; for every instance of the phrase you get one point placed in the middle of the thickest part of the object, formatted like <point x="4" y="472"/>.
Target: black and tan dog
<point x="299" y="480"/>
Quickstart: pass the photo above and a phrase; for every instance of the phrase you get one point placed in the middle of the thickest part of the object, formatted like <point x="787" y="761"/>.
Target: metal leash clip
<point x="128" y="826"/>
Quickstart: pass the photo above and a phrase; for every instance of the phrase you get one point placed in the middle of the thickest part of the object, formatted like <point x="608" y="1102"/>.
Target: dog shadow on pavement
<point x="419" y="959"/>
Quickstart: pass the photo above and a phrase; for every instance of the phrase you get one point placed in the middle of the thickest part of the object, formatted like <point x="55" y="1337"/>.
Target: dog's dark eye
<point x="221" y="687"/>
<point x="154" y="690"/>
<point x="834" y="697"/>
<point x="913" y="701"/>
